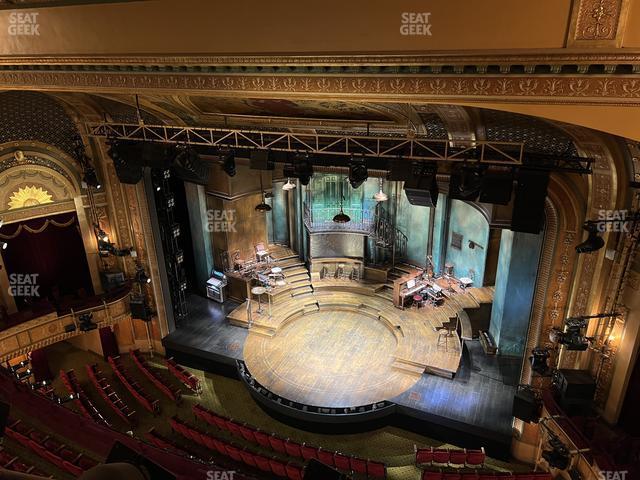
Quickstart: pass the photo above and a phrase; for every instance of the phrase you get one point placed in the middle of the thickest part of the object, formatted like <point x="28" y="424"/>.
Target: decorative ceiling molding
<point x="594" y="89"/>
<point x="598" y="23"/>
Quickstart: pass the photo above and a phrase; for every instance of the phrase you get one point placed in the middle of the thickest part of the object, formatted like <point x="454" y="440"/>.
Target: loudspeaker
<point x="526" y="406"/>
<point x="112" y="280"/>
<point x="575" y="385"/>
<point x="140" y="309"/>
<point x="189" y="167"/>
<point x="260" y="160"/>
<point x="528" y="206"/>
<point x="4" y="416"/>
<point x="319" y="471"/>
<point x="400" y="170"/>
<point x="496" y="186"/>
<point x="422" y="190"/>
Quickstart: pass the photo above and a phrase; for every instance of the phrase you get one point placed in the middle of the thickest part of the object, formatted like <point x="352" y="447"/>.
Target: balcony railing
<point x="320" y="219"/>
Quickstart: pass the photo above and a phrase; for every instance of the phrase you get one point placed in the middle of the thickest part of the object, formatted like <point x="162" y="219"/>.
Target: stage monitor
<point x="422" y="190"/>
<point x="528" y="206"/>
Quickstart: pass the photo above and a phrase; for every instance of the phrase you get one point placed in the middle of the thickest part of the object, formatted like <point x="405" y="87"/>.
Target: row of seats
<point x="131" y="384"/>
<point x="436" y="475"/>
<point x="449" y="456"/>
<point x="107" y="392"/>
<point x="288" y="447"/>
<point x="165" y="443"/>
<point x="188" y="379"/>
<point x="86" y="407"/>
<point x="155" y="377"/>
<point x="47" y="447"/>
<point x="14" y="463"/>
<point x="289" y="470"/>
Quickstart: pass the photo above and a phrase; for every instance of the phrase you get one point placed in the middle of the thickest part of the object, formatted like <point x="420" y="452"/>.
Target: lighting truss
<point x="417" y="148"/>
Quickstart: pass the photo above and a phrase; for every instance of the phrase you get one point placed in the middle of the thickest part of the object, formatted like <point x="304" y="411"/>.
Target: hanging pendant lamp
<point x="381" y="196"/>
<point x="263" y="207"/>
<point x="289" y="185"/>
<point x="341" y="217"/>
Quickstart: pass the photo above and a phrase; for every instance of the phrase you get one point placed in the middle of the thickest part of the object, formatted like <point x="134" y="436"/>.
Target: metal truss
<point x="393" y="146"/>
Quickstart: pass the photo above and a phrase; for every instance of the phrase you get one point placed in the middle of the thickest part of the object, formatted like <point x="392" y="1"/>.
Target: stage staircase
<point x="397" y="271"/>
<point x="386" y="235"/>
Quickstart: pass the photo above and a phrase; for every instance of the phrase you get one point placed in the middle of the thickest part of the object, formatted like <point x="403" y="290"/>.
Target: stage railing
<point x="312" y="413"/>
<point x="52" y="328"/>
<point x="320" y="219"/>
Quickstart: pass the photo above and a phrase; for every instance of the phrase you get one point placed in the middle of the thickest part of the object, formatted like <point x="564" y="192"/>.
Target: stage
<point x="342" y="349"/>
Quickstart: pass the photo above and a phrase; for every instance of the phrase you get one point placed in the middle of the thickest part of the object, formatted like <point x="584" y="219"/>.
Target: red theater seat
<point x="457" y="457"/>
<point x="441" y="455"/>
<point x="342" y="462"/>
<point x="262" y="463"/>
<point x="376" y="469"/>
<point x="293" y="449"/>
<point x="358" y="465"/>
<point x="326" y="457"/>
<point x="233" y="427"/>
<point x="424" y="456"/>
<point x="451" y="476"/>
<point x="233" y="452"/>
<point x="262" y="439"/>
<point x="429" y="475"/>
<point x="277" y="444"/>
<point x="247" y="433"/>
<point x="248" y="458"/>
<point x="309" y="452"/>
<point x="278" y="467"/>
<point x="475" y="457"/>
<point x="294" y="472"/>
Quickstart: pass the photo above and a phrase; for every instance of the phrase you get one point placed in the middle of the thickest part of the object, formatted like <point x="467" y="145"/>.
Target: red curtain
<point x="52" y="248"/>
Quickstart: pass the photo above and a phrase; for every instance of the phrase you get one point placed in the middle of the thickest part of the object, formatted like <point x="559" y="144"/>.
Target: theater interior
<point x="331" y="240"/>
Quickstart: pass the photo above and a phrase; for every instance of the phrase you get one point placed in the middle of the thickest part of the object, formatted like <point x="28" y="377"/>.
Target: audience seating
<point x="459" y="474"/>
<point x="107" y="392"/>
<point x="13" y="462"/>
<point x="449" y="456"/>
<point x="143" y="398"/>
<point x="86" y="407"/>
<point x="289" y="447"/>
<point x="275" y="466"/>
<point x="189" y="380"/>
<point x="155" y="377"/>
<point x="47" y="447"/>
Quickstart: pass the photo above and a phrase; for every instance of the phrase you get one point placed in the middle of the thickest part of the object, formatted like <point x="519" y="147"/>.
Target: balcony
<point x="320" y="220"/>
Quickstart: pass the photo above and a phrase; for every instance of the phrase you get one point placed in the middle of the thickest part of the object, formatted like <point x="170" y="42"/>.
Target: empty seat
<point x="358" y="465"/>
<point x="376" y="469"/>
<point x="475" y="457"/>
<point x="431" y="475"/>
<point x="342" y="462"/>
<point x="233" y="427"/>
<point x="277" y="444"/>
<point x="247" y="433"/>
<point x="294" y="472"/>
<point x="233" y="452"/>
<point x="248" y="458"/>
<point x="326" y="457"/>
<point x="457" y="457"/>
<point x="278" y="467"/>
<point x="262" y="463"/>
<point x="293" y="449"/>
<point x="424" y="456"/>
<point x="309" y="452"/>
<point x="262" y="439"/>
<point x="441" y="455"/>
<point x="451" y="476"/>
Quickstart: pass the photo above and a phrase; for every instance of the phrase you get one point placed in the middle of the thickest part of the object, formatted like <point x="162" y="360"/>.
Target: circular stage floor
<point x="329" y="358"/>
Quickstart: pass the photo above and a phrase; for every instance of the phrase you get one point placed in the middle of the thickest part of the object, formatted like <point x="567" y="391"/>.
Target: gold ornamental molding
<point x="598" y="23"/>
<point x="583" y="89"/>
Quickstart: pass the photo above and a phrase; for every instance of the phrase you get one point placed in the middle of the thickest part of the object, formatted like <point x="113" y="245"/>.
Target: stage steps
<point x="296" y="291"/>
<point x="407" y="366"/>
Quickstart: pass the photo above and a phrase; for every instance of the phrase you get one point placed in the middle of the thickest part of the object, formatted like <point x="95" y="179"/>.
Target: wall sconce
<point x="473" y="245"/>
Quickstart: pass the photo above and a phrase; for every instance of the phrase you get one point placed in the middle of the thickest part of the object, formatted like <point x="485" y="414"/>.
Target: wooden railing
<point x="52" y="328"/>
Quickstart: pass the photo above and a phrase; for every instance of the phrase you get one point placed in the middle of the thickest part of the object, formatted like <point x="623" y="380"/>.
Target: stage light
<point x="465" y="183"/>
<point x="539" y="359"/>
<point x="380" y="196"/>
<point x="289" y="185"/>
<point x="558" y="456"/>
<point x="594" y="242"/>
<point x="572" y="337"/>
<point x="102" y="236"/>
<point x="229" y="162"/>
<point x="4" y="245"/>
<point x="358" y="173"/>
<point x="141" y="276"/>
<point x="91" y="178"/>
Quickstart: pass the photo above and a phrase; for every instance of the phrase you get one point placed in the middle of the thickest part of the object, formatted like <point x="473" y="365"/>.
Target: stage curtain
<point x="52" y="248"/>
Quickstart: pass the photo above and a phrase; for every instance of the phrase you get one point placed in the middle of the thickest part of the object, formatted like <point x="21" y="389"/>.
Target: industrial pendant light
<point x="381" y="196"/>
<point x="341" y="217"/>
<point x="263" y="207"/>
<point x="289" y="185"/>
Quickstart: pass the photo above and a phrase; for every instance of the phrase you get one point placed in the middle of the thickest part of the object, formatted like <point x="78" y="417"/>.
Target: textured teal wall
<point x="200" y="235"/>
<point x="413" y="221"/>
<point x="279" y="218"/>
<point x="515" y="284"/>
<point x="438" y="232"/>
<point x="471" y="224"/>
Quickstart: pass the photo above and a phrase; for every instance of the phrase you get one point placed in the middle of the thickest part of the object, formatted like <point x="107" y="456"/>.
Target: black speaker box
<point x="112" y="280"/>
<point x="576" y="385"/>
<point x="400" y="170"/>
<point x="139" y="309"/>
<point x="497" y="186"/>
<point x="319" y="471"/>
<point x="189" y="167"/>
<point x="261" y="160"/>
<point x="422" y="190"/>
<point x="528" y="206"/>
<point x="526" y="406"/>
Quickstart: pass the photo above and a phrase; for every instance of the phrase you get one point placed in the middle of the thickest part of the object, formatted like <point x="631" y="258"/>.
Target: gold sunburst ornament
<point x="29" y="197"/>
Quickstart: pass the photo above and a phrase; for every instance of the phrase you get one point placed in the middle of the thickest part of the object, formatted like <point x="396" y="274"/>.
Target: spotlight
<point x="4" y="245"/>
<point x="381" y="196"/>
<point x="301" y="168"/>
<point x="289" y="185"/>
<point x="593" y="242"/>
<point x="358" y="173"/>
<point x="572" y="337"/>
<point x="102" y="236"/>
<point x="91" y="178"/>
<point x="465" y="183"/>
<point x="86" y="322"/>
<point x="229" y="162"/>
<point x="539" y="359"/>
<point x="175" y="230"/>
<point x="141" y="276"/>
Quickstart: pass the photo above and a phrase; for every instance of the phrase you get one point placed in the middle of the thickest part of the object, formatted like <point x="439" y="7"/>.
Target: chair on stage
<point x="417" y="301"/>
<point x="339" y="271"/>
<point x="262" y="254"/>
<point x="443" y="337"/>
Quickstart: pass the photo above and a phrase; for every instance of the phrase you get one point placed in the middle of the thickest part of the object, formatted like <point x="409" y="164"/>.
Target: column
<point x="200" y="237"/>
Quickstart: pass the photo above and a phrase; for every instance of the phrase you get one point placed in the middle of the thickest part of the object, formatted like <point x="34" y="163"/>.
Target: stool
<point x="340" y="270"/>
<point x="443" y="338"/>
<point x="417" y="300"/>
